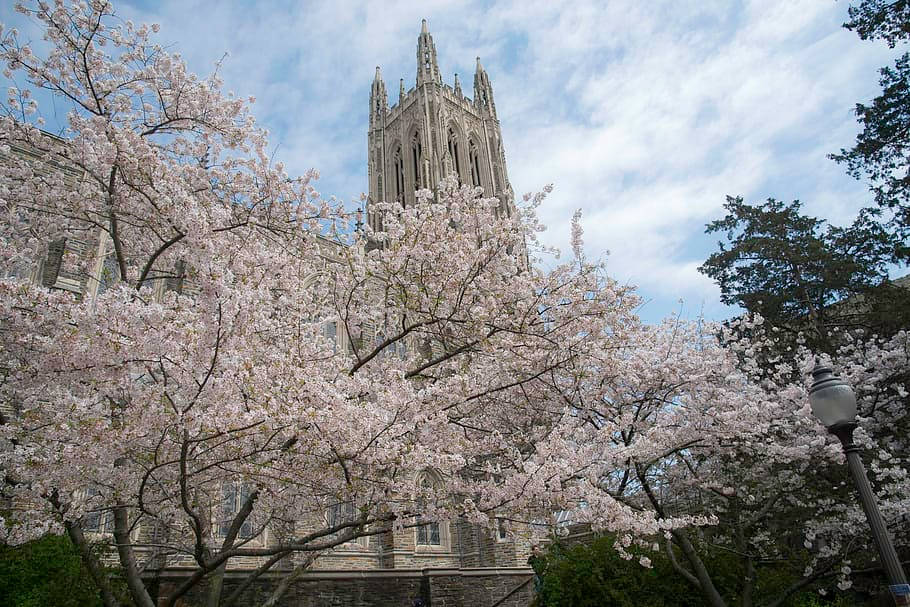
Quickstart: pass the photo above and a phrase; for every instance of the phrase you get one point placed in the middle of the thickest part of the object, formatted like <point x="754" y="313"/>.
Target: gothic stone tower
<point x="432" y="132"/>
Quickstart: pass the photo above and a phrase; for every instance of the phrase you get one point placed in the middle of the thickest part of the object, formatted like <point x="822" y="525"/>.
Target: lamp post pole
<point x="834" y="403"/>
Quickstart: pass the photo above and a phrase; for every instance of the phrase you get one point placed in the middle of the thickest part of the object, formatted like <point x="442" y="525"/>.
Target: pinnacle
<point x="423" y="27"/>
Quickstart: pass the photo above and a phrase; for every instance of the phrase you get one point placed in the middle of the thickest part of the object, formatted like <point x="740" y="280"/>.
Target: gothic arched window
<point x="51" y="268"/>
<point x="430" y="534"/>
<point x="417" y="159"/>
<point x="330" y="332"/>
<point x="502" y="530"/>
<point x="109" y="274"/>
<point x="474" y="159"/>
<point x="63" y="266"/>
<point x="345" y="512"/>
<point x="106" y="270"/>
<point x="97" y="520"/>
<point x="233" y="496"/>
<point x="340" y="513"/>
<point x="398" y="172"/>
<point x="453" y="152"/>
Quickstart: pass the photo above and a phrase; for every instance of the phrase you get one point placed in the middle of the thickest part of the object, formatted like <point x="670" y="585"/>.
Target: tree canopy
<point x="881" y="153"/>
<point x="804" y="276"/>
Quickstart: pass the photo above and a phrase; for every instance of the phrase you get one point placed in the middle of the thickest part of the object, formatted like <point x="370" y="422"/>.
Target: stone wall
<point x="377" y="588"/>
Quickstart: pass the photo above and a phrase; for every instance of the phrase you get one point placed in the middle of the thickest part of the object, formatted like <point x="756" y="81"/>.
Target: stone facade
<point x="487" y="587"/>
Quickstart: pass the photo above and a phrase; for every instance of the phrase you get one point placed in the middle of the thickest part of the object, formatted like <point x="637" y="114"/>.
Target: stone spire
<point x="483" y="90"/>
<point x="401" y="91"/>
<point x="379" y="100"/>
<point x="458" y="92"/>
<point x="427" y="68"/>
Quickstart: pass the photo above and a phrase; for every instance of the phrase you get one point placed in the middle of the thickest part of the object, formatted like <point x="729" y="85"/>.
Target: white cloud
<point x="644" y="114"/>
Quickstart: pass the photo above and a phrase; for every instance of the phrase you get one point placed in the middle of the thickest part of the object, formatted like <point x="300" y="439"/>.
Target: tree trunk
<point x="128" y="559"/>
<point x="95" y="570"/>
<point x="701" y="572"/>
<point x="289" y="579"/>
<point x="216" y="582"/>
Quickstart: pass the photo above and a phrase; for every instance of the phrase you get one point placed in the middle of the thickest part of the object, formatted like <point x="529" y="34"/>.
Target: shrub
<point x="46" y="571"/>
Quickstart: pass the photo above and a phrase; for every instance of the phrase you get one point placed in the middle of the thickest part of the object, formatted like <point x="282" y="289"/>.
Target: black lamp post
<point x="834" y="404"/>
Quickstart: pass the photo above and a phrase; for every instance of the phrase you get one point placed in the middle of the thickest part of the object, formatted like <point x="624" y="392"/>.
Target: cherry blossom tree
<point x="728" y="459"/>
<point x="235" y="359"/>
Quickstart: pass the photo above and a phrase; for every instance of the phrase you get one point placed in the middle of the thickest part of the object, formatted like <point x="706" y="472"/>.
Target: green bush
<point x="45" y="572"/>
<point x="593" y="574"/>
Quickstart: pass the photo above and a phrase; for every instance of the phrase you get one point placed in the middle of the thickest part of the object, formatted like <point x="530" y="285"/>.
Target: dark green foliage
<point x="881" y="153"/>
<point x="797" y="272"/>
<point x="45" y="572"/>
<point x="592" y="574"/>
<point x="887" y="20"/>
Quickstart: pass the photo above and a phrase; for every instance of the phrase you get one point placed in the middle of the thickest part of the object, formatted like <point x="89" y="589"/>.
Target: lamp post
<point x="834" y="404"/>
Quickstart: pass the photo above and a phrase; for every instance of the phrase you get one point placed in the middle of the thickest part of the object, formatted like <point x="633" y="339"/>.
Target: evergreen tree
<point x="804" y="276"/>
<point x="881" y="153"/>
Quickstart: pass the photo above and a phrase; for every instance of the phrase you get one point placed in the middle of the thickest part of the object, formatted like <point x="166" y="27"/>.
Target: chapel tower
<point x="432" y="132"/>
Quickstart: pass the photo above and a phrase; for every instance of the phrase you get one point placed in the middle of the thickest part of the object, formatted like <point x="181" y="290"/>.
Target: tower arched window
<point x="398" y="173"/>
<point x="474" y="159"/>
<point x="417" y="161"/>
<point x="453" y="152"/>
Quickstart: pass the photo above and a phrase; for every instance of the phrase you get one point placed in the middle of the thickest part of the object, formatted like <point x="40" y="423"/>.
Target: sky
<point x="644" y="115"/>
